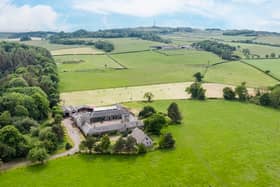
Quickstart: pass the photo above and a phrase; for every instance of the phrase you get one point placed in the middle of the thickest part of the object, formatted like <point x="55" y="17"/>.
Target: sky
<point x="70" y="15"/>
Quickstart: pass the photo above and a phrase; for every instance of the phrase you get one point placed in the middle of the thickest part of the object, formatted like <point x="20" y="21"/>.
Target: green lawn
<point x="236" y="72"/>
<point x="238" y="146"/>
<point x="143" y="68"/>
<point x="272" y="65"/>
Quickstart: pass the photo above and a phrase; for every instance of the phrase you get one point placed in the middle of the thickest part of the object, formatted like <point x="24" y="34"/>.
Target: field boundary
<point x="117" y="62"/>
<point x="125" y="52"/>
<point x="165" y="54"/>
<point x="259" y="69"/>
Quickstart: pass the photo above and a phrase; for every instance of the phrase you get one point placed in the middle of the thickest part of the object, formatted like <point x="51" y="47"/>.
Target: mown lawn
<point x="218" y="144"/>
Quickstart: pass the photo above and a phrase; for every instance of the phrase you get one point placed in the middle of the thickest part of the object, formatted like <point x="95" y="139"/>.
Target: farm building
<point x="105" y="119"/>
<point x="141" y="137"/>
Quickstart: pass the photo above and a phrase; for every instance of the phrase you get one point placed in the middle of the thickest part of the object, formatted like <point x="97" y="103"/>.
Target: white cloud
<point x="251" y="14"/>
<point x="26" y="18"/>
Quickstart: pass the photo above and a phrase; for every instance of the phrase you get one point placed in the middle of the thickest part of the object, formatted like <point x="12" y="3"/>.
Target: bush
<point x="166" y="141"/>
<point x="265" y="99"/>
<point x="228" y="93"/>
<point x="196" y="91"/>
<point x="141" y="149"/>
<point x="68" y="146"/>
<point x="147" y="111"/>
<point x="275" y="97"/>
<point x="154" y="124"/>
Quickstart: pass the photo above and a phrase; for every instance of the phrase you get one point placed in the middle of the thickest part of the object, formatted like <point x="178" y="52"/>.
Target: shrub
<point x="147" y="111"/>
<point x="141" y="149"/>
<point x="228" y="93"/>
<point x="68" y="146"/>
<point x="265" y="99"/>
<point x="166" y="141"/>
<point x="275" y="97"/>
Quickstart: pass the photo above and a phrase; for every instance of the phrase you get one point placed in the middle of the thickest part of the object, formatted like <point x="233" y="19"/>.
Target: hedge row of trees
<point x="28" y="97"/>
<point x="103" y="45"/>
<point x="113" y="33"/>
<point x="269" y="97"/>
<point x="223" y="50"/>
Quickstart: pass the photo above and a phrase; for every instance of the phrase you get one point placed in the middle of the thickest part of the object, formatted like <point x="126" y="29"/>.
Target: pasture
<point x="271" y="65"/>
<point x="212" y="149"/>
<point x="237" y="72"/>
<point x="144" y="68"/>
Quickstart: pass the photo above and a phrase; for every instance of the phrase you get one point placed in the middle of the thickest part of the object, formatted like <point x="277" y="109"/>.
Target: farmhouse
<point x="141" y="137"/>
<point x="105" y="119"/>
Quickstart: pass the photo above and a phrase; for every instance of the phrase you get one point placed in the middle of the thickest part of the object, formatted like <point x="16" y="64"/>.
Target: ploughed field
<point x="238" y="146"/>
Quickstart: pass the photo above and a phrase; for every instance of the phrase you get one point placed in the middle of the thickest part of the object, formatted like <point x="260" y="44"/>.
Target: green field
<point x="236" y="72"/>
<point x="238" y="146"/>
<point x="153" y="68"/>
<point x="272" y="65"/>
<point x="143" y="68"/>
<point x="89" y="63"/>
<point x="47" y="45"/>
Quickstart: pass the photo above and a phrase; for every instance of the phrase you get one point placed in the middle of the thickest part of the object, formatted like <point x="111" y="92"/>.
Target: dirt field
<point x="126" y="94"/>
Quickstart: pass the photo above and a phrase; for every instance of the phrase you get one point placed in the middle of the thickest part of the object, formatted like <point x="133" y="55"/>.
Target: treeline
<point x="102" y="45"/>
<point x="223" y="50"/>
<point x="39" y="34"/>
<point x="29" y="116"/>
<point x="254" y="42"/>
<point x="248" y="33"/>
<point x="113" y="33"/>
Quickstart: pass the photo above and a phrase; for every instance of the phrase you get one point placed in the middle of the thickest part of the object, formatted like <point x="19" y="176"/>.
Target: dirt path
<point x="126" y="94"/>
<point x="72" y="131"/>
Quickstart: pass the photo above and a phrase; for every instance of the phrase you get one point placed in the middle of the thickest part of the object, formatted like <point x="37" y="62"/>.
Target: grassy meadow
<point x="214" y="147"/>
<point x="143" y="68"/>
<point x="271" y="65"/>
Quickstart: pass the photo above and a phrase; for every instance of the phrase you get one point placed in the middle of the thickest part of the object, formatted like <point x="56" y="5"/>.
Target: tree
<point x="104" y="144"/>
<point x="154" y="123"/>
<point x="17" y="82"/>
<point x="265" y="99"/>
<point x="38" y="154"/>
<point x="266" y="56"/>
<point x="146" y="112"/>
<point x="246" y="52"/>
<point x="166" y="141"/>
<point x="68" y="146"/>
<point x="196" y="91"/>
<point x="5" y="119"/>
<point x="6" y="152"/>
<point x="272" y="55"/>
<point x="242" y="92"/>
<point x="89" y="143"/>
<point x="149" y="96"/>
<point x="141" y="149"/>
<point x="173" y="113"/>
<point x="21" y="111"/>
<point x="119" y="145"/>
<point x="228" y="93"/>
<point x="275" y="97"/>
<point x="24" y="124"/>
<point x="198" y="77"/>
<point x="130" y="144"/>
<point x="11" y="137"/>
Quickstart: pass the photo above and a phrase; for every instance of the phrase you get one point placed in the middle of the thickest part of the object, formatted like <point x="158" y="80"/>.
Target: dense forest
<point x="223" y="50"/>
<point x="29" y="116"/>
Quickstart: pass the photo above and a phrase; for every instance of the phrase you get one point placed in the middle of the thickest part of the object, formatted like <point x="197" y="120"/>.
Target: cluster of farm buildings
<point x="101" y="120"/>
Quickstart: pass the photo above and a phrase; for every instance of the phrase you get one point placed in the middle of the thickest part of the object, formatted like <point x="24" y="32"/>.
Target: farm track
<point x="127" y="94"/>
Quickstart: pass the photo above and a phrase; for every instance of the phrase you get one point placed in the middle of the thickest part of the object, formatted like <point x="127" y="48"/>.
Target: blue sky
<point x="69" y="15"/>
